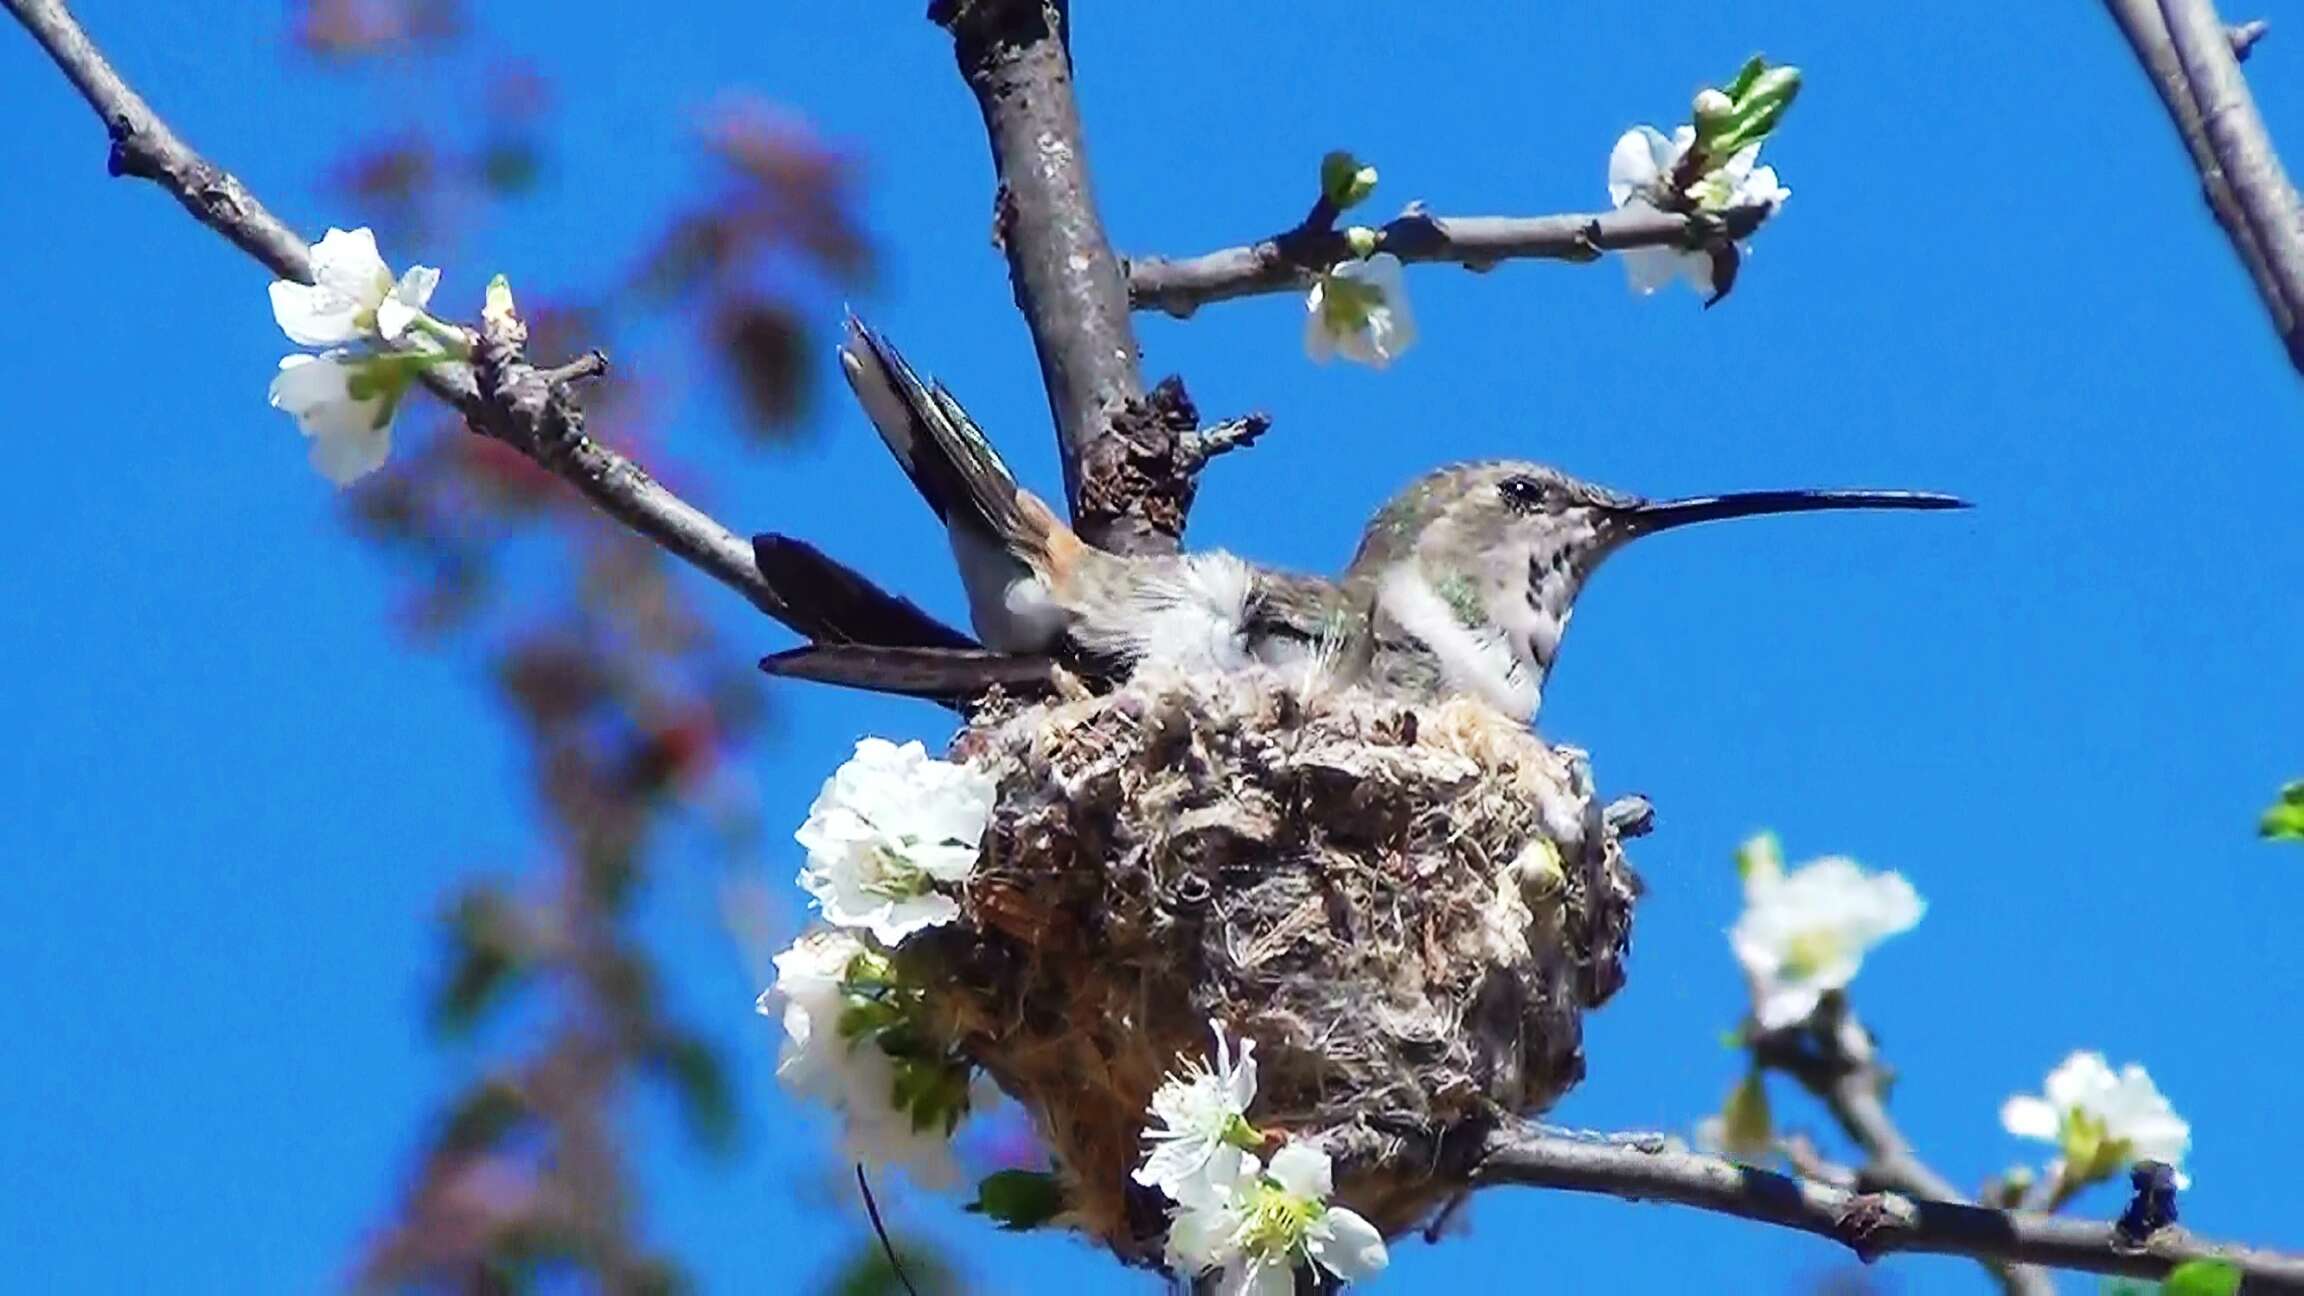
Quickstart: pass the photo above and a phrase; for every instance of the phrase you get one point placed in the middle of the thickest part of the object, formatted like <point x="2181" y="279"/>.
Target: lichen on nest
<point x="1407" y="907"/>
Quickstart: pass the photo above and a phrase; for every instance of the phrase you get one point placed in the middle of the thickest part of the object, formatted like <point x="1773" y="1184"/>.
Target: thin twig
<point x="1287" y="262"/>
<point x="1870" y="1224"/>
<point x="592" y="364"/>
<point x="2147" y="35"/>
<point x="1197" y="448"/>
<point x="2243" y="37"/>
<point x="1809" y="1162"/>
<point x="145" y="147"/>
<point x="1831" y="1055"/>
<point x="872" y="1208"/>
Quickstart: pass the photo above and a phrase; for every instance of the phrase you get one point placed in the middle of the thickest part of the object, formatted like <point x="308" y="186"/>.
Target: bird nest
<point x="1407" y="907"/>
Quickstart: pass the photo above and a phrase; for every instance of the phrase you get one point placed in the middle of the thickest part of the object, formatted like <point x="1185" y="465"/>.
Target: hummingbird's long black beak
<point x="1661" y="515"/>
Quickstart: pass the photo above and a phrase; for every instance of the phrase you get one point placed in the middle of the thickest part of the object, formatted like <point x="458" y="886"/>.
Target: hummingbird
<point x="1463" y="583"/>
<point x="1469" y="575"/>
<point x="1038" y="595"/>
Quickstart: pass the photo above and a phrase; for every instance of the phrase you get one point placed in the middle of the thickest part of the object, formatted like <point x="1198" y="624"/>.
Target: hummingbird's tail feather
<point x="1012" y="548"/>
<point x="948" y="458"/>
<point x="950" y="675"/>
<point x="833" y="603"/>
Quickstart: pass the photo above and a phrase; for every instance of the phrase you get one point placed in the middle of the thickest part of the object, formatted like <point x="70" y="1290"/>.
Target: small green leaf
<point x="1757" y="107"/>
<point x="2202" y="1278"/>
<point x="1760" y="859"/>
<point x="1746" y="75"/>
<point x="2285" y="820"/>
<point x="1019" y="1199"/>
<point x="1747" y="1128"/>
<point x="1773" y="90"/>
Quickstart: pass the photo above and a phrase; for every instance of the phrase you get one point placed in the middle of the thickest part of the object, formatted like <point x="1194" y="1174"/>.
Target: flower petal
<point x="2028" y="1117"/>
<point x="1303" y="1169"/>
<point x="347" y="262"/>
<point x="2080" y="1080"/>
<point x="313" y="316"/>
<point x="415" y="287"/>
<point x="1268" y="1278"/>
<point x="1650" y="268"/>
<point x="1319" y="346"/>
<point x="346" y="457"/>
<point x="1779" y="1006"/>
<point x="1347" y="1245"/>
<point x="1200" y="1238"/>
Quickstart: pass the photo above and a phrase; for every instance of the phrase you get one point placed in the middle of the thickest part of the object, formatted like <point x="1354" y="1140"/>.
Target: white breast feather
<point x="1480" y="662"/>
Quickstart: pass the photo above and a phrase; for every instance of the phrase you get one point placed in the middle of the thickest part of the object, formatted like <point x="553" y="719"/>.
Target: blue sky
<point x="234" y="798"/>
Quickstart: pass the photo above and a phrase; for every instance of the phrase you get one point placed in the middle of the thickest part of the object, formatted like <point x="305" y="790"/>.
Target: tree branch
<point x="532" y="411"/>
<point x="1832" y="1057"/>
<point x="1128" y="489"/>
<point x="2140" y="21"/>
<point x="144" y="147"/>
<point x="1870" y="1224"/>
<point x="2242" y="147"/>
<point x="1287" y="262"/>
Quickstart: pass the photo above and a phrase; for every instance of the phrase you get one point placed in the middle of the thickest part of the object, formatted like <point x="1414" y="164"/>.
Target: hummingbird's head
<point x="1492" y="556"/>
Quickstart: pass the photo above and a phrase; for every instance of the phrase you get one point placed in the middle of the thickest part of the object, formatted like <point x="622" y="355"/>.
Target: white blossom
<point x="890" y="826"/>
<point x="1198" y="1149"/>
<point x="1640" y="173"/>
<point x="1359" y="310"/>
<point x="2100" y="1120"/>
<point x="352" y="294"/>
<point x="851" y="1075"/>
<point x="344" y="403"/>
<point x="1805" y="932"/>
<point x="811" y="986"/>
<point x="1270" y="1223"/>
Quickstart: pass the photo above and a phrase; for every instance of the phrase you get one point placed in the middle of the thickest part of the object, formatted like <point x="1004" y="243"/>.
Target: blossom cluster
<point x="891" y="832"/>
<point x="1255" y="1223"/>
<point x="376" y="339"/>
<point x="1648" y="169"/>
<point x="1358" y="307"/>
<point x="2101" y="1121"/>
<point x="1804" y="934"/>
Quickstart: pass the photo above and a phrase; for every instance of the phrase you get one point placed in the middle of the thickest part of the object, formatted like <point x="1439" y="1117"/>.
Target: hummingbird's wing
<point x="954" y="676"/>
<point x="833" y="603"/>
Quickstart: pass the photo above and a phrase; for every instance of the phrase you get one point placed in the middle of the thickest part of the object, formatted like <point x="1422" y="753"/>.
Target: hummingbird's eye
<point x="1523" y="493"/>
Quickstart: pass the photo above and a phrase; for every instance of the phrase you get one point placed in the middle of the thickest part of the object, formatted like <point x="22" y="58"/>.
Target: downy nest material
<point x="1407" y="907"/>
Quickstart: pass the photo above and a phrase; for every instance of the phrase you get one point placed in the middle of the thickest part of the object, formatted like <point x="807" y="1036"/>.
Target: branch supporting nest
<point x="1871" y="1224"/>
<point x="1832" y="1056"/>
